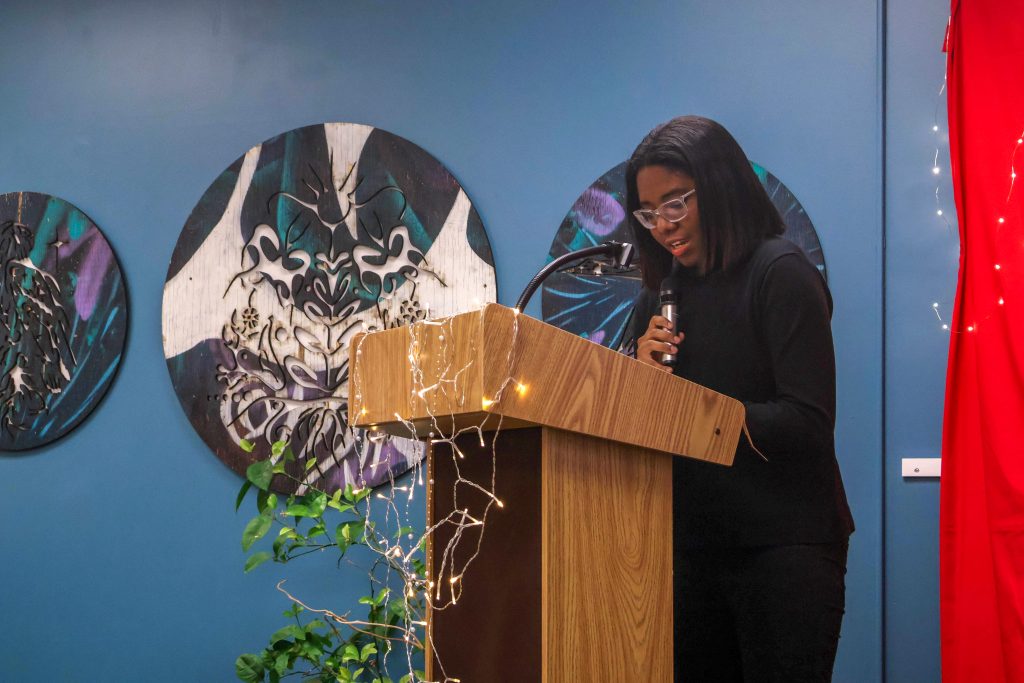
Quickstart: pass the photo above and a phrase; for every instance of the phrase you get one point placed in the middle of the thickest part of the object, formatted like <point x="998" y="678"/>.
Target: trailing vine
<point x="321" y="644"/>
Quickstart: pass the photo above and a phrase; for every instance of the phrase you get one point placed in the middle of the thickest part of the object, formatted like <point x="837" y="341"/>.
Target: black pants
<point x="759" y="614"/>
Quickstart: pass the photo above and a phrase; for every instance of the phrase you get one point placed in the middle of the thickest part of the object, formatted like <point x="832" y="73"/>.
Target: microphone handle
<point x="670" y="310"/>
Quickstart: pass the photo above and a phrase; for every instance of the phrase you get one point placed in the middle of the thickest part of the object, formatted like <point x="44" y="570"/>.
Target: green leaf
<point x="297" y="510"/>
<point x="256" y="559"/>
<point x="281" y="663"/>
<point x="356" y="531"/>
<point x="256" y="529"/>
<point x="249" y="668"/>
<point x="340" y="507"/>
<point x="368" y="649"/>
<point x="260" y="473"/>
<point x="351" y="653"/>
<point x="317" y="503"/>
<point x="293" y="611"/>
<point x="277" y="448"/>
<point x="291" y="631"/>
<point x="246" y="445"/>
<point x="241" y="494"/>
<point x="341" y="537"/>
<point x="310" y="464"/>
<point x="266" y="502"/>
<point x="289" y="454"/>
<point x="317" y="530"/>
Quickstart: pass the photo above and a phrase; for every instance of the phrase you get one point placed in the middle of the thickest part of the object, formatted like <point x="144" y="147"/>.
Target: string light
<point x="447" y="386"/>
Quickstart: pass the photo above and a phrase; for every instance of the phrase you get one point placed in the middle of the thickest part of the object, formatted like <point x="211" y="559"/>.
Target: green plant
<point x="321" y="644"/>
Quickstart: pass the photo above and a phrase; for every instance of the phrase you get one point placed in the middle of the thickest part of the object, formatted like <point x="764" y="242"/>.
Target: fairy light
<point x="449" y="388"/>
<point x="437" y="383"/>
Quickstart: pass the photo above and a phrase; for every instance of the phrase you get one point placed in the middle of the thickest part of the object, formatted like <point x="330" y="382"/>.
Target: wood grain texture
<point x="606" y="561"/>
<point x="495" y="361"/>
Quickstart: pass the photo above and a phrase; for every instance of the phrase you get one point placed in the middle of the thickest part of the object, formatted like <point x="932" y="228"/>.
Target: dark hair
<point x="735" y="211"/>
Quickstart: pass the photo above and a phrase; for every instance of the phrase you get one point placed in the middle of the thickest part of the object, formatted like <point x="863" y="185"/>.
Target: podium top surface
<point x="495" y="367"/>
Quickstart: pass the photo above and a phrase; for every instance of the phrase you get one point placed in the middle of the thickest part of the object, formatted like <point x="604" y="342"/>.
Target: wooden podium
<point x="571" y="577"/>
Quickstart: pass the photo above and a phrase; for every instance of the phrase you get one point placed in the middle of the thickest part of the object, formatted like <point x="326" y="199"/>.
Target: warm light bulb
<point x="486" y="403"/>
<point x="1002" y="220"/>
<point x="970" y="328"/>
<point x="998" y="267"/>
<point x="1000" y="301"/>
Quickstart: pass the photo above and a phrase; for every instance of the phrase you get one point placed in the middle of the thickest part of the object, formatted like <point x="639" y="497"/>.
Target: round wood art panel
<point x="308" y="239"/>
<point x="599" y="307"/>
<point x="63" y="317"/>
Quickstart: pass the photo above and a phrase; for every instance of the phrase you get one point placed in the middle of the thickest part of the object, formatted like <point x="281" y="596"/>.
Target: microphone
<point x="669" y="308"/>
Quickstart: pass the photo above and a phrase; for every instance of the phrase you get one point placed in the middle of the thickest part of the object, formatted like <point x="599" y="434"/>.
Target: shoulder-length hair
<point x="735" y="211"/>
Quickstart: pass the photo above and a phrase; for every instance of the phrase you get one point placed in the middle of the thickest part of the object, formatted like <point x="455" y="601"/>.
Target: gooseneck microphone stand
<point x="621" y="254"/>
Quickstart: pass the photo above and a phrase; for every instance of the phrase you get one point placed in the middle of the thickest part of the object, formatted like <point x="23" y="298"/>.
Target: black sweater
<point x="760" y="332"/>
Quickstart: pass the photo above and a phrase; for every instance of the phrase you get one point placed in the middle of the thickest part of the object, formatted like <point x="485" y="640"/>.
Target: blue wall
<point x="121" y="557"/>
<point x="921" y="263"/>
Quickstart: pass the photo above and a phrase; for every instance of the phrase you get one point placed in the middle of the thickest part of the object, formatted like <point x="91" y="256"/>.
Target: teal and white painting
<point x="303" y="242"/>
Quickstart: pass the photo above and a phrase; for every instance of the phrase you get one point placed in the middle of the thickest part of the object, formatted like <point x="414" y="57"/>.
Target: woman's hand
<point x="657" y="339"/>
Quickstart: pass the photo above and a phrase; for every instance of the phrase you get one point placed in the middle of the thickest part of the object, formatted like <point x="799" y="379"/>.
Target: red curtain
<point x="982" y="509"/>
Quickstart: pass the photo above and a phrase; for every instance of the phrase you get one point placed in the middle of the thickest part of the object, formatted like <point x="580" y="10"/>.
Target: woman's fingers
<point x="658" y="339"/>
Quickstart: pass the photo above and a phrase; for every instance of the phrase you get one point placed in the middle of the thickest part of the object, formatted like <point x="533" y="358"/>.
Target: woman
<point x="760" y="548"/>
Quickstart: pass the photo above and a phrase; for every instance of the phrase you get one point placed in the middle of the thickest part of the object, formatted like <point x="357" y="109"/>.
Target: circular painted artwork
<point x="63" y="317"/>
<point x="308" y="239"/>
<point x="599" y="307"/>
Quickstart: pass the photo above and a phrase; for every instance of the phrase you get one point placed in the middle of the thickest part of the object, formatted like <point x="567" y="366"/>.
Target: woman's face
<point x="684" y="239"/>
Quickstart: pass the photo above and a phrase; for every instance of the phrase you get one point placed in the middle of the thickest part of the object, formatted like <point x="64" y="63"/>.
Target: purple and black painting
<point x="63" y="317"/>
<point x="308" y="239"/>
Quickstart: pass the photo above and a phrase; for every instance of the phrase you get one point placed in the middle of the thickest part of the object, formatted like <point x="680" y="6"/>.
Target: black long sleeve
<point x="761" y="333"/>
<point x="794" y="310"/>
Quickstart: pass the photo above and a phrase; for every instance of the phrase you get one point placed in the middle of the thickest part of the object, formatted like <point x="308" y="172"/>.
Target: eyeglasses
<point x="674" y="210"/>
